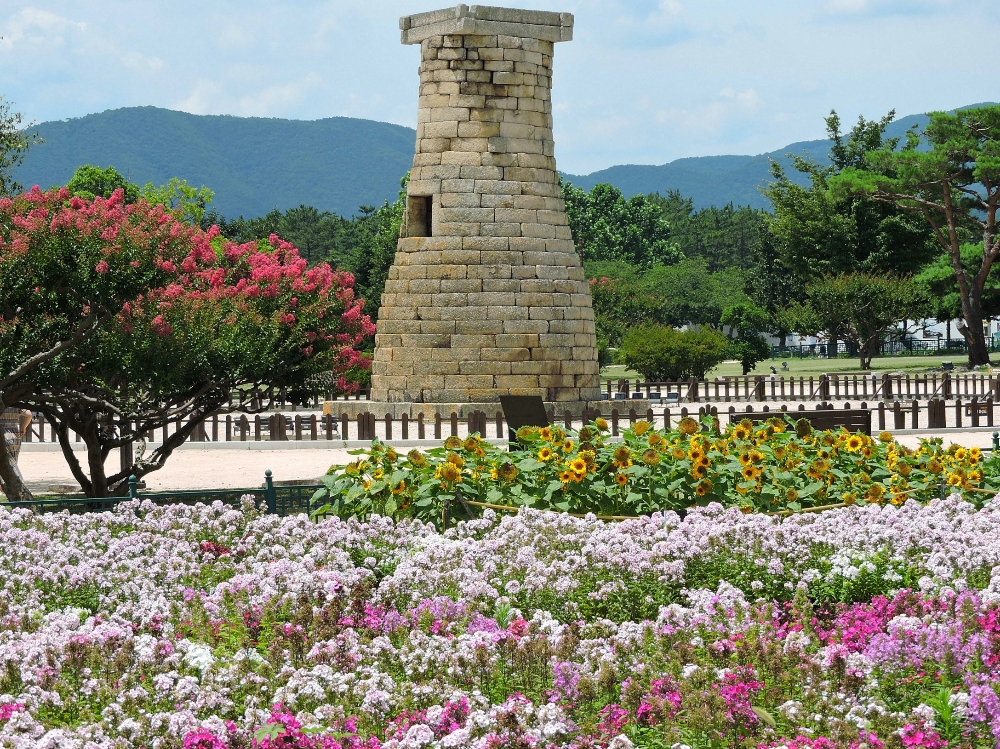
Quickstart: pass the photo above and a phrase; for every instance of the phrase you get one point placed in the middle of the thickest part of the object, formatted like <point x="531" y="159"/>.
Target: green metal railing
<point x="280" y="500"/>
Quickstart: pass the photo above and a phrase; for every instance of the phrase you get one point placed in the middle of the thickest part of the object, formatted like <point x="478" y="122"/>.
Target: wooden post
<point x="420" y="426"/>
<point x="405" y="426"/>
<point x="499" y="420"/>
<point x="666" y="418"/>
<point x="915" y="421"/>
<point x="388" y="426"/>
<point x="614" y="422"/>
<point x="328" y="425"/>
<point x="313" y="427"/>
<point x="958" y="413"/>
<point x="974" y="410"/>
<point x="345" y="422"/>
<point x="437" y="426"/>
<point x="298" y="427"/>
<point x="256" y="427"/>
<point x="454" y="424"/>
<point x="898" y="417"/>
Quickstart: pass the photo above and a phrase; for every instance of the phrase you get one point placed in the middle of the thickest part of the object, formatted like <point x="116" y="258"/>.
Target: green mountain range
<point x="338" y="164"/>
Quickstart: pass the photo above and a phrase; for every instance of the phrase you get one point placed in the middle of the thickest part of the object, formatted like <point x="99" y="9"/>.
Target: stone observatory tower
<point x="486" y="296"/>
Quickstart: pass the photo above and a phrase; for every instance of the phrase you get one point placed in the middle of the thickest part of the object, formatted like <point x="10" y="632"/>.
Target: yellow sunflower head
<point x="698" y="471"/>
<point x="655" y="439"/>
<point x="741" y="433"/>
<point x="678" y="453"/>
<point x="780" y="452"/>
<point x="934" y="465"/>
<point x="885" y="436"/>
<point x="545" y="433"/>
<point x="651" y="457"/>
<point x="621" y="454"/>
<point x="703" y="487"/>
<point x="601" y="423"/>
<point x="975" y="454"/>
<point x="449" y="472"/>
<point x="567" y="446"/>
<point x="687" y="426"/>
<point x="565" y="476"/>
<point x="621" y="479"/>
<point x="545" y="454"/>
<point x="455" y="459"/>
<point x="745" y="459"/>
<point x="904" y="469"/>
<point x="471" y="443"/>
<point x="641" y="427"/>
<point x="578" y="465"/>
<point x="452" y="443"/>
<point x="416" y="458"/>
<point x="791" y="495"/>
<point x="507" y="471"/>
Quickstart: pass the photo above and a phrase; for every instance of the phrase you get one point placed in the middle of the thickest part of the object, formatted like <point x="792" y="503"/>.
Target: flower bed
<point x="208" y="627"/>
<point x="776" y="466"/>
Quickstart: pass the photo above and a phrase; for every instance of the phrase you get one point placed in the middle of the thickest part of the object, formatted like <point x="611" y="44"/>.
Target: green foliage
<point x="89" y="182"/>
<point x="607" y="226"/>
<point x="938" y="280"/>
<point x="377" y="236"/>
<point x="180" y="197"/>
<point x="661" y="353"/>
<point x="746" y="344"/>
<point x="769" y="467"/>
<point x="693" y="295"/>
<point x="858" y="308"/>
<point x="821" y="231"/>
<point x="724" y="237"/>
<point x="15" y="140"/>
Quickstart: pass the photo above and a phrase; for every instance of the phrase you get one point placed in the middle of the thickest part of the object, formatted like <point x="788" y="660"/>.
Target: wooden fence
<point x="824" y="387"/>
<point x="934" y="414"/>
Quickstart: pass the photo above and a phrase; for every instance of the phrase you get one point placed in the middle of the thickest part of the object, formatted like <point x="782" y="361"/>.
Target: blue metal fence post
<point x="133" y="487"/>
<point x="996" y="442"/>
<point x="270" y="496"/>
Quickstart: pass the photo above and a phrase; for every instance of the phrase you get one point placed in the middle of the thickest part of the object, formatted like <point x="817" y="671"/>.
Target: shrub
<point x="660" y="353"/>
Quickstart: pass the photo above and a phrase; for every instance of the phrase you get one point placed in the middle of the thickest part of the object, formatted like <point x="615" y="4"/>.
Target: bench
<point x="853" y="419"/>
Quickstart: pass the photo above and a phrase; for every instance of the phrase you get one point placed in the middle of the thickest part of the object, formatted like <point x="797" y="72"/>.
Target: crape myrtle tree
<point x="954" y="184"/>
<point x="248" y="318"/>
<point x="56" y="284"/>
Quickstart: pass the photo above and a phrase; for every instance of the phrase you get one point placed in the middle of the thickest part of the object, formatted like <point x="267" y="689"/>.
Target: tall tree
<point x="954" y="185"/>
<point x="859" y="308"/>
<point x="15" y="140"/>
<point x="608" y="226"/>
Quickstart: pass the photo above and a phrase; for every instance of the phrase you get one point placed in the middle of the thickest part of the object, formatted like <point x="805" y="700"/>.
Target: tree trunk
<point x="972" y="329"/>
<point x="10" y="478"/>
<point x="831" y="347"/>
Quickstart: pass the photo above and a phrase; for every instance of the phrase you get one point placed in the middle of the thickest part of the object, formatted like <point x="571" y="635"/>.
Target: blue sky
<point x="644" y="81"/>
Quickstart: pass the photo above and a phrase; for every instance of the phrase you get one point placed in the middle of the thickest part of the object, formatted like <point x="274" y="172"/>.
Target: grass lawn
<point x="806" y="367"/>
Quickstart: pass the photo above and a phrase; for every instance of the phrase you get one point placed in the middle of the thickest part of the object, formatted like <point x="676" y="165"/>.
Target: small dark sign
<point x="523" y="411"/>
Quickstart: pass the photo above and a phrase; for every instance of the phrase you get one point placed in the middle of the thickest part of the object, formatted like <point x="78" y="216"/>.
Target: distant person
<point x="14" y="423"/>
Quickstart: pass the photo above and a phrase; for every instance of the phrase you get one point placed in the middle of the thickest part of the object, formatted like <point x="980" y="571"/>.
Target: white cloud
<point x="38" y="27"/>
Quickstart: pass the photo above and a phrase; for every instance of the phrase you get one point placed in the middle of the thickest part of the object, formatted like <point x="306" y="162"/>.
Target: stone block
<point x="424" y="286"/>
<point x="497" y="187"/>
<point x="505" y="354"/>
<point x="500" y="230"/>
<point x="489" y="273"/>
<point x="449" y="114"/>
<point x="542" y="231"/>
<point x="502" y="283"/>
<point x="536" y="368"/>
<point x="499" y="201"/>
<point x="460" y="229"/>
<point x="461" y="286"/>
<point x="515" y="215"/>
<point x="469" y="144"/>
<point x="493" y="299"/>
<point x="478" y="129"/>
<point x="516" y="381"/>
<point x="445" y="271"/>
<point x="546" y="313"/>
<point x="466" y="215"/>
<point x="461" y="158"/>
<point x="435" y="326"/>
<point x="449" y="185"/>
<point x="553" y="272"/>
<point x="460" y="200"/>
<point x="435" y="367"/>
<point x="480" y="172"/>
<point x="506" y="313"/>
<point x="485" y="367"/>
<point x="475" y="341"/>
<point x="552" y="353"/>
<point x="525" y="326"/>
<point x="479" y="327"/>
<point x="502" y="257"/>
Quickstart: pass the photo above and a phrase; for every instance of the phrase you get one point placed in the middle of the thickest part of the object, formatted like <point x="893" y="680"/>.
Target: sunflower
<point x="698" y="471"/>
<point x="954" y="479"/>
<point x="791" y="495"/>
<point x="687" y="426"/>
<point x="526" y="433"/>
<point x="885" y="436"/>
<point x="377" y="474"/>
<point x="828" y="439"/>
<point x="803" y="428"/>
<point x="695" y="454"/>
<point x="704" y="487"/>
<point x="866" y="451"/>
<point x="756" y="456"/>
<point x="567" y="446"/>
<point x="961" y="453"/>
<point x="601" y="423"/>
<point x="678" y="453"/>
<point x="934" y="466"/>
<point x="471" y="443"/>
<point x="455" y="459"/>
<point x="578" y="465"/>
<point x="749" y="473"/>
<point x="545" y="454"/>
<point x="745" y="459"/>
<point x="391" y="456"/>
<point x="975" y="454"/>
<point x="545" y="433"/>
<point x="741" y="433"/>
<point x="449" y="472"/>
<point x="352" y="469"/>
<point x="416" y="458"/>
<point x="589" y="457"/>
<point x="621" y="456"/>
<point x="565" y="476"/>
<point x="641" y="427"/>
<point x="621" y="479"/>
<point x="904" y="469"/>
<point x="655" y="438"/>
<point x="399" y="488"/>
<point x="507" y="471"/>
<point x="452" y="443"/>
<point x="651" y="457"/>
<point x="821" y="465"/>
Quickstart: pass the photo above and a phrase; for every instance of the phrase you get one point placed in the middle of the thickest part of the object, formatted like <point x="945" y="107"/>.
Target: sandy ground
<point x="197" y="469"/>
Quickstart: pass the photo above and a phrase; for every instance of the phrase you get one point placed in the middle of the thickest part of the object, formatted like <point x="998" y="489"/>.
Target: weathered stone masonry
<point x="486" y="296"/>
